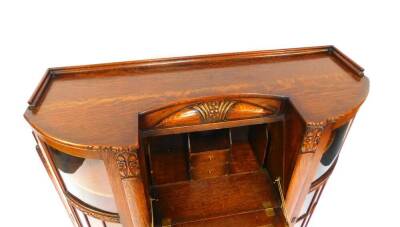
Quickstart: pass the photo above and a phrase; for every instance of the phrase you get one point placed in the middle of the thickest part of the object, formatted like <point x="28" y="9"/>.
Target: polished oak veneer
<point x="235" y="139"/>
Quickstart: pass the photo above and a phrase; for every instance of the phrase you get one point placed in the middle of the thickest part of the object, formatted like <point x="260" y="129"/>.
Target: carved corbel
<point x="128" y="164"/>
<point x="126" y="159"/>
<point x="312" y="136"/>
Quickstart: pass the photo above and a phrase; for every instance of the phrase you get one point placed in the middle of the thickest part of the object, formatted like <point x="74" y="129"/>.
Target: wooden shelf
<point x="243" y="159"/>
<point x="215" y="197"/>
<point x="253" y="218"/>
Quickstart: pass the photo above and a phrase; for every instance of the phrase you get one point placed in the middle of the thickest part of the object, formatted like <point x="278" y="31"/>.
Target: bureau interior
<point x="225" y="165"/>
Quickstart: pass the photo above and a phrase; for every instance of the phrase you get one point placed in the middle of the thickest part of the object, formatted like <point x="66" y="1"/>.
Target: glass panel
<point x="298" y="224"/>
<point x="110" y="224"/>
<point x="86" y="179"/>
<point x="94" y="222"/>
<point x="334" y="148"/>
<point x="307" y="203"/>
<point x="82" y="218"/>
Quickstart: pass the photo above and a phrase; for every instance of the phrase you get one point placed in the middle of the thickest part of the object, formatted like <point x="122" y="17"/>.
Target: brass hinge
<point x="269" y="209"/>
<point x="166" y="222"/>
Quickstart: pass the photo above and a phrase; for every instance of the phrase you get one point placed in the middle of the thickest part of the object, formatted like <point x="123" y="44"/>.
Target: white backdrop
<point x="35" y="35"/>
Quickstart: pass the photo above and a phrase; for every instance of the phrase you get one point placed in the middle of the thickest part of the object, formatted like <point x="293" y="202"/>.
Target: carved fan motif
<point x="214" y="111"/>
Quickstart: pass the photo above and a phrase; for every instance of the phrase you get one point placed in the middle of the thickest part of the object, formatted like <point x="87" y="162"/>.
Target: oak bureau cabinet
<point x="241" y="139"/>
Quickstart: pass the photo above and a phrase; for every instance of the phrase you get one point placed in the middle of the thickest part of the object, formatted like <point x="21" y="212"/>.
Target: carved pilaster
<point x="312" y="136"/>
<point x="123" y="166"/>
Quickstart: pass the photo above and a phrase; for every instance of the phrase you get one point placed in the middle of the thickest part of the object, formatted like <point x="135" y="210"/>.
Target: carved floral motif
<point x="128" y="164"/>
<point x="214" y="111"/>
<point x="312" y="137"/>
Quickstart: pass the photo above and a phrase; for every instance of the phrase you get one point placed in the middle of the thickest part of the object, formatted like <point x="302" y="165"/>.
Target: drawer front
<point x="209" y="158"/>
<point x="209" y="171"/>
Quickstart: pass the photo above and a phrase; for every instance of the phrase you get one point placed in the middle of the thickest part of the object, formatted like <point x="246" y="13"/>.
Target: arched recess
<point x="211" y="110"/>
<point x="212" y="139"/>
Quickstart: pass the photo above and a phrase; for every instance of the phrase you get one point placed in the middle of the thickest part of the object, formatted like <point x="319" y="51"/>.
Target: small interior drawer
<point x="209" y="154"/>
<point x="209" y="171"/>
<point x="210" y="158"/>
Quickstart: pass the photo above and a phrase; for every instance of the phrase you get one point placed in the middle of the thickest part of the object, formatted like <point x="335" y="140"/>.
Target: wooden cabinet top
<point x="87" y="107"/>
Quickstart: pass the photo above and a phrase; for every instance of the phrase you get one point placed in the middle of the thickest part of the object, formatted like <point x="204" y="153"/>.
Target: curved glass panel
<point x="307" y="203"/>
<point x="110" y="224"/>
<point x="81" y="218"/>
<point x="94" y="222"/>
<point x="86" y="179"/>
<point x="329" y="157"/>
